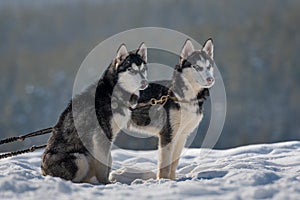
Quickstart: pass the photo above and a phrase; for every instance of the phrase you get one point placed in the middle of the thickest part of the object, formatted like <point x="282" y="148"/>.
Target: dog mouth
<point x="144" y="84"/>
<point x="209" y="83"/>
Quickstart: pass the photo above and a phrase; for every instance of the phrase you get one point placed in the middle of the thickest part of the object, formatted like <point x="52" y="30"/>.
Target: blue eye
<point x="127" y="63"/>
<point x="198" y="68"/>
<point x="131" y="70"/>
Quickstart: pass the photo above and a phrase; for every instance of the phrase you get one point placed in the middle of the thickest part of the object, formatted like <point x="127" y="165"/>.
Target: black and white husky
<point x="181" y="100"/>
<point x="66" y="155"/>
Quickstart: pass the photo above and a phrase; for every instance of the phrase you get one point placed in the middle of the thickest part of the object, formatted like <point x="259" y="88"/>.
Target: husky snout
<point x="210" y="80"/>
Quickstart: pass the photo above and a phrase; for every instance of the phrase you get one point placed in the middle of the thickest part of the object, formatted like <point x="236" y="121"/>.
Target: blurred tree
<point x="256" y="49"/>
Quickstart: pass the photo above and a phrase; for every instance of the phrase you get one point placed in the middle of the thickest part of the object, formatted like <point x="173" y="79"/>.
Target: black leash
<point x="22" y="138"/>
<point x="15" y="153"/>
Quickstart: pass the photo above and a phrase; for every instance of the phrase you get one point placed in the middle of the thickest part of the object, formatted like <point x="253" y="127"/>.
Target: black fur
<point x="58" y="159"/>
<point x="130" y="59"/>
<point x="174" y="120"/>
<point x="140" y="115"/>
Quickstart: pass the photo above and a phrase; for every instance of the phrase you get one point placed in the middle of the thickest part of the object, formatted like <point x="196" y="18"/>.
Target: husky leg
<point x="102" y="154"/>
<point x="165" y="157"/>
<point x="178" y="146"/>
<point x="103" y="170"/>
<point x="164" y="162"/>
<point x="109" y="165"/>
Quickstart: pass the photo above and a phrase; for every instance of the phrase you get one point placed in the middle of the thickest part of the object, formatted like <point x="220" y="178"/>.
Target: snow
<point x="264" y="171"/>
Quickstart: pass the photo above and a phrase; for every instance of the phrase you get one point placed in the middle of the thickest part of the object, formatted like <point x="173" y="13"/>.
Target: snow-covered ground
<point x="266" y="171"/>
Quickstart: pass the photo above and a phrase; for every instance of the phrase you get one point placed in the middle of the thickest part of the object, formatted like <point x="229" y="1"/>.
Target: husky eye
<point x="127" y="63"/>
<point x="131" y="70"/>
<point x="198" y="68"/>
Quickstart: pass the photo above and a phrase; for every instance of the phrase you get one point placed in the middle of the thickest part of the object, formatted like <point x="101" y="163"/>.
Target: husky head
<point x="132" y="69"/>
<point x="197" y="65"/>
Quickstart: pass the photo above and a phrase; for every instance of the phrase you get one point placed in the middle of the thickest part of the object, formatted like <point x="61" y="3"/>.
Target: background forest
<point x="257" y="46"/>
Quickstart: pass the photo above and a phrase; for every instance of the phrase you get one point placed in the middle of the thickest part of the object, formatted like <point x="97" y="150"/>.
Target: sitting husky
<point x="66" y="155"/>
<point x="182" y="100"/>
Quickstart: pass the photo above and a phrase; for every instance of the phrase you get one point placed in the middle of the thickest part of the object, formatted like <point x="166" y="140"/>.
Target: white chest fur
<point x="119" y="121"/>
<point x="186" y="119"/>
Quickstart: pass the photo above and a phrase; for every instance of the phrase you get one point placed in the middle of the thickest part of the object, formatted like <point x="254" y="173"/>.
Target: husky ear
<point x="142" y="51"/>
<point x="187" y="49"/>
<point x="208" y="47"/>
<point x="121" y="53"/>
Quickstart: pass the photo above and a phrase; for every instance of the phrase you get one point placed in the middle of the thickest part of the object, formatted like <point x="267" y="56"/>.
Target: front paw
<point x="164" y="173"/>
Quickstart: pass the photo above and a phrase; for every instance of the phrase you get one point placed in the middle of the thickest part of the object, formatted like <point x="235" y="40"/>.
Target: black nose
<point x="210" y="79"/>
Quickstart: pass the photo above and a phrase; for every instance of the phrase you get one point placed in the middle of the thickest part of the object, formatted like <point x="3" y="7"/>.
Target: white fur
<point x="119" y="121"/>
<point x="192" y="82"/>
<point x="101" y="158"/>
<point x="179" y="143"/>
<point x="198" y="79"/>
<point x="122" y="52"/>
<point x="142" y="51"/>
<point x="148" y="130"/>
<point x="185" y="121"/>
<point x="165" y="160"/>
<point x="82" y="165"/>
<point x="135" y="67"/>
<point x="187" y="49"/>
<point x="208" y="47"/>
<point x="130" y="83"/>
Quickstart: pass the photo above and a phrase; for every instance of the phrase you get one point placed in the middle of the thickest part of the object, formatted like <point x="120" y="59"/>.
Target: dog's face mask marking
<point x="132" y="69"/>
<point x="199" y="63"/>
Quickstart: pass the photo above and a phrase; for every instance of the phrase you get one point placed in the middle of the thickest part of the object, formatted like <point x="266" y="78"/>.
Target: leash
<point x="153" y="101"/>
<point x="15" y="153"/>
<point x="163" y="100"/>
<point x="22" y="138"/>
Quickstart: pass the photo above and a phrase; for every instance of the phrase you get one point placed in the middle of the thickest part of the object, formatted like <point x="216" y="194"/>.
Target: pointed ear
<point x="187" y="49"/>
<point x="142" y="51"/>
<point x="208" y="47"/>
<point x="121" y="53"/>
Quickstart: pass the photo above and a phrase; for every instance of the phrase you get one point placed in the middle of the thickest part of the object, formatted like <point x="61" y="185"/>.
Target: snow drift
<point x="265" y="171"/>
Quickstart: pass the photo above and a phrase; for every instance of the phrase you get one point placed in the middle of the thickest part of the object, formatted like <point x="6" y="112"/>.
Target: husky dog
<point x="182" y="100"/>
<point x="66" y="155"/>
